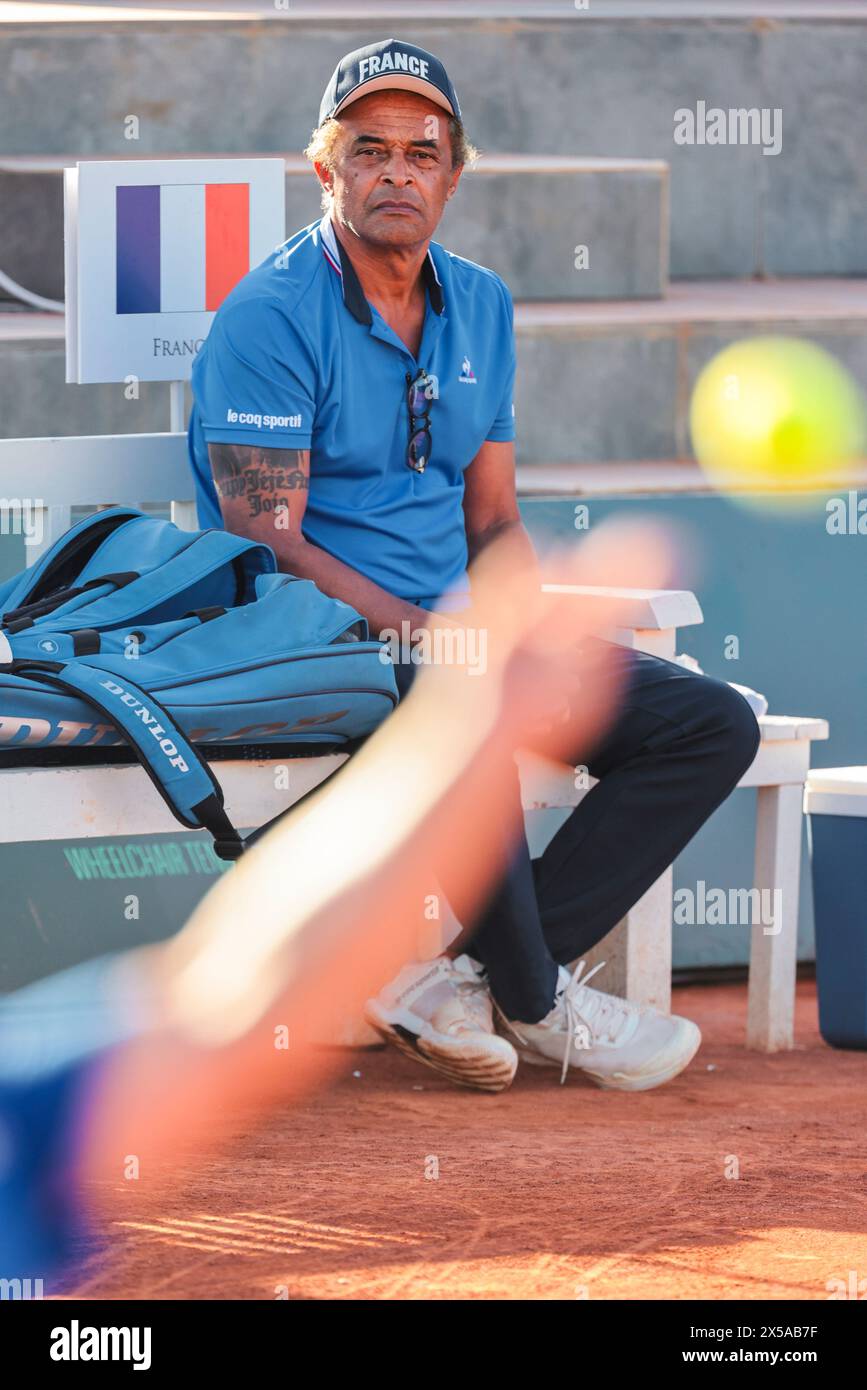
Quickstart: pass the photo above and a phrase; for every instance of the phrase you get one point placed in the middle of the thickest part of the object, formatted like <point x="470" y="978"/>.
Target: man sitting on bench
<point x="353" y="409"/>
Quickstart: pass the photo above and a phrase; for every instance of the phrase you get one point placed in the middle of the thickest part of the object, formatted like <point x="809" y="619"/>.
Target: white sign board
<point x="152" y="249"/>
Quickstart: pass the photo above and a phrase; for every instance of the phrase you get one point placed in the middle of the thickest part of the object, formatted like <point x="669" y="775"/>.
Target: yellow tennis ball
<point x="776" y="413"/>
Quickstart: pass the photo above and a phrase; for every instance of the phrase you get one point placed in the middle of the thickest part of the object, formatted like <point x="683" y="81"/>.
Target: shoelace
<point x="569" y="1000"/>
<point x="473" y="992"/>
<point x="599" y="1012"/>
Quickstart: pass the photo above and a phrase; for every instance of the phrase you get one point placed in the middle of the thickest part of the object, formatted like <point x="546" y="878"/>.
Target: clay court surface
<point x="543" y="1192"/>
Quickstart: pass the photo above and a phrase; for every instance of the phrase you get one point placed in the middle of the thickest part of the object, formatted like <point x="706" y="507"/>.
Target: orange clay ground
<point x="543" y="1191"/>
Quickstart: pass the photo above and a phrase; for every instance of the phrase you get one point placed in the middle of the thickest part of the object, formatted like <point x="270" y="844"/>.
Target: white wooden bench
<point x="78" y="802"/>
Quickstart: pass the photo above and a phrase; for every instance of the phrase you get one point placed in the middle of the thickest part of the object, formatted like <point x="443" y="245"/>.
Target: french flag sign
<point x="153" y="247"/>
<point x="180" y="246"/>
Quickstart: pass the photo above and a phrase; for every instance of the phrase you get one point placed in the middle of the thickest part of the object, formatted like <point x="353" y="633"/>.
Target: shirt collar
<point x="353" y="294"/>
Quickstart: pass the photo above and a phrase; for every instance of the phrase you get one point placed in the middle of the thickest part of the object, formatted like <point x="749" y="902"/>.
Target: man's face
<point x="392" y="173"/>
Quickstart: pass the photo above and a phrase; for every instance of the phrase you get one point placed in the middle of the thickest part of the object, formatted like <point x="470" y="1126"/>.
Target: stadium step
<point x="605" y="381"/>
<point x="533" y="76"/>
<point x="617" y="209"/>
<point x="612" y="381"/>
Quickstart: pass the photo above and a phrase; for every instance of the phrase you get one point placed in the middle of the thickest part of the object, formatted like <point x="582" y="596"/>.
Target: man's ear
<point x="453" y="186"/>
<point x="325" y="177"/>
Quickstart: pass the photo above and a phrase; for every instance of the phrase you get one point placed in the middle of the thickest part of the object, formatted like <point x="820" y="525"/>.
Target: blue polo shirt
<point x="58" y="1039"/>
<point x="297" y="358"/>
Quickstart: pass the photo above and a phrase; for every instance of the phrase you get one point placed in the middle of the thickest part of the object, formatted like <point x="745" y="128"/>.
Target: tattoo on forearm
<point x="263" y="477"/>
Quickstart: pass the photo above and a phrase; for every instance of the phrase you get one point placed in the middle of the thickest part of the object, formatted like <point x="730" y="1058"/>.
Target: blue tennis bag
<point x="131" y="631"/>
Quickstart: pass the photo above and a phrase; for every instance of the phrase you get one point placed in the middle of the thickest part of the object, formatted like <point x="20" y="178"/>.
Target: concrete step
<point x="637" y="478"/>
<point x="596" y="382"/>
<point x="35" y="399"/>
<point x="502" y="217"/>
<point x="627" y="370"/>
<point x="533" y="77"/>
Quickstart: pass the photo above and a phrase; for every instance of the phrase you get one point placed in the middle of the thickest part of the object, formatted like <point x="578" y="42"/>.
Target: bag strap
<point x="180" y="774"/>
<point x="17" y="619"/>
<point x="58" y="566"/>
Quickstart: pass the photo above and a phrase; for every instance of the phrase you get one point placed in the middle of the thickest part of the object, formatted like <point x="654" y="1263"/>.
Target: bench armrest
<point x="652" y="610"/>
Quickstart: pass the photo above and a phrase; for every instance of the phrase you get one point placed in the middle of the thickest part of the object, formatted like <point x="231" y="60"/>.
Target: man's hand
<point x="548" y="685"/>
<point x="557" y="712"/>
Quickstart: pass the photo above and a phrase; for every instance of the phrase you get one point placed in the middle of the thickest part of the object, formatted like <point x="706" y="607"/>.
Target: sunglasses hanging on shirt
<point x="420" y="393"/>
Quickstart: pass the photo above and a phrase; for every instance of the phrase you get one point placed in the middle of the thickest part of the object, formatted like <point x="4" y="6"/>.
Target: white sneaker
<point x="441" y="1014"/>
<point x="621" y="1046"/>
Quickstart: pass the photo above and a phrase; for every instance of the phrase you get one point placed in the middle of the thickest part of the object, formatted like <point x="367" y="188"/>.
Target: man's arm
<point x="491" y="505"/>
<point x="491" y="514"/>
<point x="263" y="495"/>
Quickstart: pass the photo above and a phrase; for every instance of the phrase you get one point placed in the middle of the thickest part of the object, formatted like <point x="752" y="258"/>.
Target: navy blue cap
<point x="388" y="64"/>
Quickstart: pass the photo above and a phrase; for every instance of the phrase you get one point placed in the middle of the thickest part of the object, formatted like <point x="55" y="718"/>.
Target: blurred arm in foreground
<point x="323" y="909"/>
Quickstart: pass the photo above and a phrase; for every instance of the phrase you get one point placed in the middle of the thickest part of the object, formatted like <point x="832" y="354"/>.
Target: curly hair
<point x="323" y="143"/>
